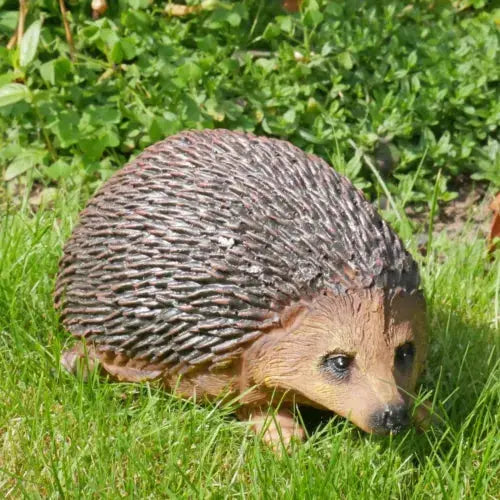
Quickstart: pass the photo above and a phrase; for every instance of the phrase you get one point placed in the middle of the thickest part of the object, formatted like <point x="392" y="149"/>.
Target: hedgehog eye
<point x="404" y="355"/>
<point x="338" y="364"/>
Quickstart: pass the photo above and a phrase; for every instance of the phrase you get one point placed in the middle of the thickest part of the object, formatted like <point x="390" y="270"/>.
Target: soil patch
<point x="470" y="208"/>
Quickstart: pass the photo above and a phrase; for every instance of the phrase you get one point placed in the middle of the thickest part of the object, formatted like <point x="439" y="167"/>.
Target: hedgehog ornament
<point x="222" y="263"/>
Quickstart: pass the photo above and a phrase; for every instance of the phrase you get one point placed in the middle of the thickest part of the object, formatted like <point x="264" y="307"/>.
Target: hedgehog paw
<point x="424" y="417"/>
<point x="278" y="429"/>
<point x="79" y="360"/>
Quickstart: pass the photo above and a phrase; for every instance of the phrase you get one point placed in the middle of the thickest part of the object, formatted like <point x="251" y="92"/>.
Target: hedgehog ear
<point x="407" y="304"/>
<point x="292" y="315"/>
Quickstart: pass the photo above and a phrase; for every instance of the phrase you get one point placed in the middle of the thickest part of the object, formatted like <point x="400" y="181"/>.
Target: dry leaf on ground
<point x="495" y="224"/>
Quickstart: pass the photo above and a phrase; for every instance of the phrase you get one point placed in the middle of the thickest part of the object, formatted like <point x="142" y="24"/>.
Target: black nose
<point x="392" y="418"/>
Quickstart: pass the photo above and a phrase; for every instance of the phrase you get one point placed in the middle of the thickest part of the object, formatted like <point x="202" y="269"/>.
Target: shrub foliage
<point x="401" y="87"/>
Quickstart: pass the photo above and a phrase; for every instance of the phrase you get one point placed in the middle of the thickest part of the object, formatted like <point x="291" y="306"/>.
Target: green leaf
<point x="128" y="48"/>
<point x="267" y="65"/>
<point x="66" y="128"/>
<point x="345" y="60"/>
<point x="103" y="115"/>
<point x="157" y="129"/>
<point x="59" y="169"/>
<point x="234" y="19"/>
<point x="47" y="72"/>
<point x="412" y="59"/>
<point x="139" y="4"/>
<point x="289" y="116"/>
<point x="285" y="23"/>
<point x="272" y="31"/>
<point x="313" y="16"/>
<point x="116" y="55"/>
<point x="94" y="146"/>
<point x="23" y="163"/>
<point x="189" y="72"/>
<point x="6" y="78"/>
<point x="12" y="93"/>
<point x="29" y="43"/>
<point x="8" y="20"/>
<point x="55" y="70"/>
<point x="313" y="139"/>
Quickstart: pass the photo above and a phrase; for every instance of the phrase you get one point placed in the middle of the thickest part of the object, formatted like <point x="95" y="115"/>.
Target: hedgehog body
<point x="192" y="252"/>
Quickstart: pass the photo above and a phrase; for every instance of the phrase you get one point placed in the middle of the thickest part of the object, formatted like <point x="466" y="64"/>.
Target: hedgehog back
<point x="192" y="250"/>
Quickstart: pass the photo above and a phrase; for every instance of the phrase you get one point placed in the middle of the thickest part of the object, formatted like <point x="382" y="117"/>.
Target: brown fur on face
<point x="367" y="325"/>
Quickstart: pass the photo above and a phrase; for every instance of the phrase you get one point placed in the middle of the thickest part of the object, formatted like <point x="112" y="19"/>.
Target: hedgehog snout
<point x="392" y="418"/>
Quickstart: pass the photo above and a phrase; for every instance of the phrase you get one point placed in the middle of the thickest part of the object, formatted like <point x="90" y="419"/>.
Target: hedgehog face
<point x="358" y="354"/>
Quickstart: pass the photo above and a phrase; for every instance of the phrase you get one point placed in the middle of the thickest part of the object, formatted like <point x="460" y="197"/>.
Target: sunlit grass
<point x="60" y="436"/>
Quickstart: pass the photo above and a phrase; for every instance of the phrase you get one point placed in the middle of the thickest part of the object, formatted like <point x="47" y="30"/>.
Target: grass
<point x="402" y="98"/>
<point x="62" y="437"/>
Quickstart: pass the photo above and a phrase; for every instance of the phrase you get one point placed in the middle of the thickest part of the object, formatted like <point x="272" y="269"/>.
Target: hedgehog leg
<point x="423" y="416"/>
<point x="84" y="358"/>
<point x="277" y="429"/>
<point x="80" y="359"/>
